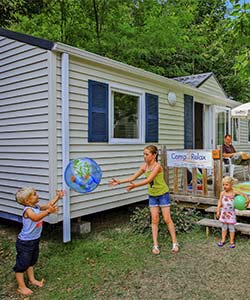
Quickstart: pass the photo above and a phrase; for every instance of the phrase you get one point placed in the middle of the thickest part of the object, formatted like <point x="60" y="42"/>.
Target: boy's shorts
<point x="162" y="200"/>
<point x="27" y="254"/>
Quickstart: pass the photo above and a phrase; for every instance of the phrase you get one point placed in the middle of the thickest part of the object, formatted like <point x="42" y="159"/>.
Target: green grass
<point x="118" y="264"/>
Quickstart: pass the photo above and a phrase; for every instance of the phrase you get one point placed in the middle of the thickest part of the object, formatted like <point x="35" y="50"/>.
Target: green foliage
<point x="239" y="27"/>
<point x="184" y="220"/>
<point x="140" y="220"/>
<point x="8" y="9"/>
<point x="170" y="38"/>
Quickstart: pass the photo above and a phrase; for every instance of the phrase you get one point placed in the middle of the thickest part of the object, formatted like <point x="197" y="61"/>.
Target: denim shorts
<point x="162" y="200"/>
<point x="27" y="254"/>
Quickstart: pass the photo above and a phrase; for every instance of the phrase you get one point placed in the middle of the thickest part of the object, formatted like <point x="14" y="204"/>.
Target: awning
<point x="241" y="111"/>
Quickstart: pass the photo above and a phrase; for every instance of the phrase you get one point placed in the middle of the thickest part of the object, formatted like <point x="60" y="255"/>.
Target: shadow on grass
<point x="117" y="263"/>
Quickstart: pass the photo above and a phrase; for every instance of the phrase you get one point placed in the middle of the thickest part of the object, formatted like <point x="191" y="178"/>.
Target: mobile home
<point x="59" y="103"/>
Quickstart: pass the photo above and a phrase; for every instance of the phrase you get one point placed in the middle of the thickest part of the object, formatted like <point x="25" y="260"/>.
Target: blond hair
<point x="23" y="194"/>
<point x="229" y="180"/>
<point x="153" y="150"/>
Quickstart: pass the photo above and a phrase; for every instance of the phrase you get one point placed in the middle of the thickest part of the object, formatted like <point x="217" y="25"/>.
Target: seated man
<point x="228" y="150"/>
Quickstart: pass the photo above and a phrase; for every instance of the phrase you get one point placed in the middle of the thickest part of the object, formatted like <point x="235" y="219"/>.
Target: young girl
<point x="226" y="211"/>
<point x="158" y="194"/>
<point x="27" y="244"/>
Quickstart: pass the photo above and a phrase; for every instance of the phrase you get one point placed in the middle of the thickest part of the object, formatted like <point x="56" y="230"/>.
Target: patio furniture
<point x="230" y="168"/>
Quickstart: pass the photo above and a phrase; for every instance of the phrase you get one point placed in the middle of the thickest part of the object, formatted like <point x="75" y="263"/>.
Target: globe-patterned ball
<point x="83" y="175"/>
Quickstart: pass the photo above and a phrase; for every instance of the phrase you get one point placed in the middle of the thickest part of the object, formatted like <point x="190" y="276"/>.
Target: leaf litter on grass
<point x="118" y="264"/>
<point x="200" y="271"/>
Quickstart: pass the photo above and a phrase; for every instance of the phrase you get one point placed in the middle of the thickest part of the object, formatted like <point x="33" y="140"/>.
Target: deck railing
<point x="199" y="186"/>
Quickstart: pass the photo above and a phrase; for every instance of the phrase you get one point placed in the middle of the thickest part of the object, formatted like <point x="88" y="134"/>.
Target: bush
<point x="183" y="218"/>
<point x="140" y="220"/>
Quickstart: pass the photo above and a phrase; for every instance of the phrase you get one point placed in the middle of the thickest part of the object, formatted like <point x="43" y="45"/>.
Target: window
<point x="126" y="120"/>
<point x="188" y="122"/>
<point x="119" y="115"/>
<point x="235" y="129"/>
<point x="222" y="124"/>
<point x="220" y="121"/>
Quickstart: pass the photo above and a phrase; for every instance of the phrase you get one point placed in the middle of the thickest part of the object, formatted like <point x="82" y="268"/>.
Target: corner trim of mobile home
<point x="65" y="144"/>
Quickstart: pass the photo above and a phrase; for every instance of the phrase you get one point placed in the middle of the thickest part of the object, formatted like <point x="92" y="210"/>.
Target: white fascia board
<point x="146" y="75"/>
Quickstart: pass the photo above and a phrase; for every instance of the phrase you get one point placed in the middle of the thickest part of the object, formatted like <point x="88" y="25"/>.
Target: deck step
<point x="209" y="222"/>
<point x="241" y="213"/>
<point x="242" y="227"/>
<point x="209" y="200"/>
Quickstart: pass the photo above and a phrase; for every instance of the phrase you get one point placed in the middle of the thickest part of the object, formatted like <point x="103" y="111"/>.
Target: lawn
<point x="116" y="263"/>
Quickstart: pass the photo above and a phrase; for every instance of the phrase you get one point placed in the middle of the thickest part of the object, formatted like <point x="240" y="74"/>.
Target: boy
<point x="27" y="244"/>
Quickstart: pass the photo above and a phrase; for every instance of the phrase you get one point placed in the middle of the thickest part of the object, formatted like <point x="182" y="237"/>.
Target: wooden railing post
<point x="185" y="180"/>
<point x="218" y="175"/>
<point x="194" y="181"/>
<point x="176" y="183"/>
<point x="204" y="182"/>
<point x="164" y="163"/>
<point x="220" y="171"/>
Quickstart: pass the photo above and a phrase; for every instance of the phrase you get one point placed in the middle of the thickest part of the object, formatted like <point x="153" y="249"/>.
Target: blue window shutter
<point x="98" y="111"/>
<point x="152" y="118"/>
<point x="188" y="122"/>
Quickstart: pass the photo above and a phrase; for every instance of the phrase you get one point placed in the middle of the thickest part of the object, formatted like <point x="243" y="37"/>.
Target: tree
<point x="167" y="37"/>
<point x="7" y="11"/>
<point x="240" y="28"/>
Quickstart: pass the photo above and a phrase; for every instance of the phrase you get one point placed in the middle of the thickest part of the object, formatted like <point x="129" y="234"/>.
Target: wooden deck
<point x="241" y="213"/>
<point x="242" y="227"/>
<point x="198" y="200"/>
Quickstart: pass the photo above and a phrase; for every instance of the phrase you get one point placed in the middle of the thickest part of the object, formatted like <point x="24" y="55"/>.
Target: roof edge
<point x="215" y="78"/>
<point x="98" y="59"/>
<point x="111" y="63"/>
<point x="205" y="79"/>
<point x="25" y="38"/>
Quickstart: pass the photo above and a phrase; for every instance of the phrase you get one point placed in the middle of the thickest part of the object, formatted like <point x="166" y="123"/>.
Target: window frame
<point x="227" y="124"/>
<point x="232" y="130"/>
<point x="141" y="113"/>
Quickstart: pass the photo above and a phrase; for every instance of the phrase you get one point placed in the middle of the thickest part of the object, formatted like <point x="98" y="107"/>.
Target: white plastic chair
<point x="231" y="168"/>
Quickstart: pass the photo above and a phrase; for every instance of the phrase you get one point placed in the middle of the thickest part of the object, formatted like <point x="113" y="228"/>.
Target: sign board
<point x="190" y="159"/>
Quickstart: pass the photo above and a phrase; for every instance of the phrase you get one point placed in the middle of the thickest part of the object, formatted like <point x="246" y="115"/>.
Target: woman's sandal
<point x="175" y="248"/>
<point x="232" y="245"/>
<point x="221" y="244"/>
<point x="156" y="250"/>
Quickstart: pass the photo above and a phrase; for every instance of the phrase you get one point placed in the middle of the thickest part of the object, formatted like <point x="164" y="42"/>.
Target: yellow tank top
<point x="158" y="186"/>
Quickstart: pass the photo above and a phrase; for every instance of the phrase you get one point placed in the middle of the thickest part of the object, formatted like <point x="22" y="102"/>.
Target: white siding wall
<point x="212" y="87"/>
<point x="29" y="133"/>
<point x="244" y="145"/>
<point x="23" y="122"/>
<point x="114" y="160"/>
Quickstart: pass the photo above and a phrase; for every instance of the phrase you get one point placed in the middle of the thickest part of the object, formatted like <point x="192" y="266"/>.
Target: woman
<point x="158" y="194"/>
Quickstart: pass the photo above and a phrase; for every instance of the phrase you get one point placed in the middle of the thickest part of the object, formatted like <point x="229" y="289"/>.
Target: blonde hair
<point x="23" y="194"/>
<point x="153" y="149"/>
<point x="229" y="180"/>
